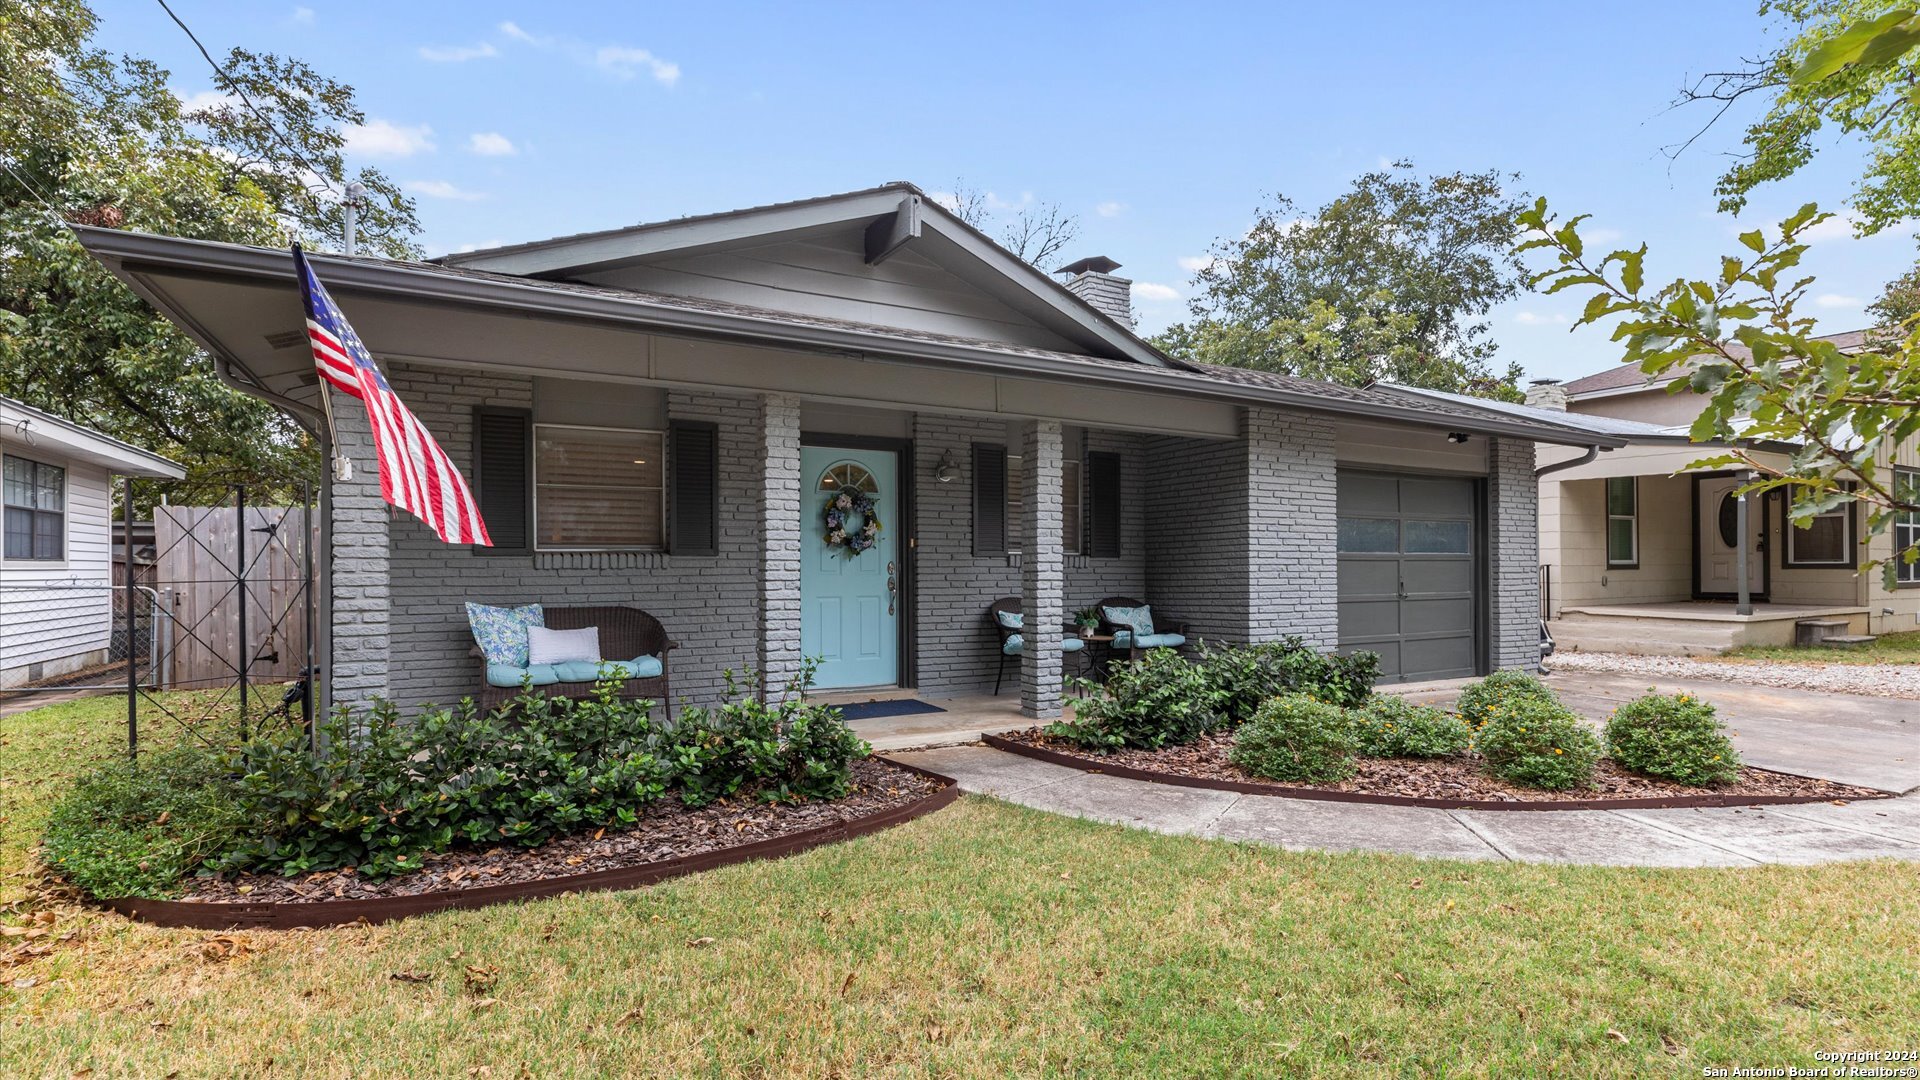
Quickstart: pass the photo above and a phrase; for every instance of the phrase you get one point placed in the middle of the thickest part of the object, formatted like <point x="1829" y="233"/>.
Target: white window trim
<point x="66" y="519"/>
<point x="1844" y="512"/>
<point x="665" y="481"/>
<point x="1906" y="528"/>
<point x="1606" y="503"/>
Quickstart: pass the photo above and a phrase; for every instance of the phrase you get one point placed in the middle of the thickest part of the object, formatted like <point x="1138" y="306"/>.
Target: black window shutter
<point x="503" y="477"/>
<point x="1103" y="505"/>
<point x="693" y="493"/>
<point x="989" y="499"/>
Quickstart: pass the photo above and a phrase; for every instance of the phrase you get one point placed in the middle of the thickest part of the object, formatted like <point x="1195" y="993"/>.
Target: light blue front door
<point x="849" y="603"/>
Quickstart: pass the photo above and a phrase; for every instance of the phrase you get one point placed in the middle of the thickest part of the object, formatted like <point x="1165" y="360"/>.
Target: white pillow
<point x="546" y="646"/>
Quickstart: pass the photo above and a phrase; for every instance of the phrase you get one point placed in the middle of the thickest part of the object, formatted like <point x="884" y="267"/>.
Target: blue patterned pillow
<point x="1012" y="620"/>
<point x="1139" y="619"/>
<point x="501" y="632"/>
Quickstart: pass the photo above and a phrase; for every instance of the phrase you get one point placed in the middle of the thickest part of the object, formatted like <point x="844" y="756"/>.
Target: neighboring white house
<point x="56" y="549"/>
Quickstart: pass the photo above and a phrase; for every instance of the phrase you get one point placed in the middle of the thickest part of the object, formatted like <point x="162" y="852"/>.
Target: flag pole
<point x="342" y="465"/>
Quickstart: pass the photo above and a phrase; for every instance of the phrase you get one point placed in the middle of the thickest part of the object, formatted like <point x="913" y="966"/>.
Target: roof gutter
<point x="129" y="253"/>
<point x="1571" y="463"/>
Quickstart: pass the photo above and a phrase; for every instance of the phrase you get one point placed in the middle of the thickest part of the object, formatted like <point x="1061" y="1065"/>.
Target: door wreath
<point x="852" y="526"/>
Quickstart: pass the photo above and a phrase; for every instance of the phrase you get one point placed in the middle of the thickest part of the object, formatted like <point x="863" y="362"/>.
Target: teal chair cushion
<point x="1012" y="620"/>
<point x="640" y="667"/>
<point x="1016" y="642"/>
<point x="1124" y="639"/>
<point x="501" y="632"/>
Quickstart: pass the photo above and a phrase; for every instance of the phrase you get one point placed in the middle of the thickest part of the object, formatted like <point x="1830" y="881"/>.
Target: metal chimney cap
<point x="1543" y="382"/>
<point x="1097" y="264"/>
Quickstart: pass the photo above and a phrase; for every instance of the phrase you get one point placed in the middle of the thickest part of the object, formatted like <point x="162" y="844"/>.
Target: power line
<point x="52" y="211"/>
<point x="227" y="83"/>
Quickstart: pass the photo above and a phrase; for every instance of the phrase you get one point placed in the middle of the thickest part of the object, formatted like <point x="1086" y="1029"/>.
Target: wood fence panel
<point x="198" y="555"/>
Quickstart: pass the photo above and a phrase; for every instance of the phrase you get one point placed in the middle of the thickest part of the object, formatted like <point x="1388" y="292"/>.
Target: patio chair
<point x="1007" y="620"/>
<point x="625" y="633"/>
<point x="1169" y="632"/>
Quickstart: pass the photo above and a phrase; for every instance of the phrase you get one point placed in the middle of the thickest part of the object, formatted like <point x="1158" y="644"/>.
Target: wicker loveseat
<point x="625" y="633"/>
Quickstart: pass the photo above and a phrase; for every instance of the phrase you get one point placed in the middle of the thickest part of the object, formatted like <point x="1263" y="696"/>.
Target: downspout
<point x="1572" y="463"/>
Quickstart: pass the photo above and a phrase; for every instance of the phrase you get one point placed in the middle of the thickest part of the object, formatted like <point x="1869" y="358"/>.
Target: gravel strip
<point x="1870" y="680"/>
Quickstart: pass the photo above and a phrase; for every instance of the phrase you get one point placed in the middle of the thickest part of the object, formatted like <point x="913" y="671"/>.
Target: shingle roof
<point x="1624" y="376"/>
<point x="1603" y="425"/>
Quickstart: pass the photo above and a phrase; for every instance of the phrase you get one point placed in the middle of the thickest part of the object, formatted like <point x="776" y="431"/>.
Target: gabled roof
<point x="894" y="216"/>
<point x="1628" y="377"/>
<point x="24" y="427"/>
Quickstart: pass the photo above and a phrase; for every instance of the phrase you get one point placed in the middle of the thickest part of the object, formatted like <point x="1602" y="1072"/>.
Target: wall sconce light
<point x="1456" y="437"/>
<point x="948" y="470"/>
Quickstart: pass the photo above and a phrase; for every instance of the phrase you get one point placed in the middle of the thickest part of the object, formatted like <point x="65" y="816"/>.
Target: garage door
<point x="1409" y="576"/>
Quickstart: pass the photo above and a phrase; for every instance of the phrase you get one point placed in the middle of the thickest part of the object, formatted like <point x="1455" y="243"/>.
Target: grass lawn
<point x="1900" y="648"/>
<point x="986" y="940"/>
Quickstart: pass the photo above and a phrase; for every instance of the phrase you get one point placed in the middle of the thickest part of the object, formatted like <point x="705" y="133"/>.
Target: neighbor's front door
<point x="1720" y="544"/>
<point x="849" y="600"/>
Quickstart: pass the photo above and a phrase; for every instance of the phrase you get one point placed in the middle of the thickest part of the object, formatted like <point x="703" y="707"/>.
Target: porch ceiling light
<point x="948" y="470"/>
<point x="1457" y="436"/>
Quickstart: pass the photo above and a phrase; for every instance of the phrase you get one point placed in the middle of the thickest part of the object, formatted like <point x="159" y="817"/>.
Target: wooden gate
<point x="215" y="577"/>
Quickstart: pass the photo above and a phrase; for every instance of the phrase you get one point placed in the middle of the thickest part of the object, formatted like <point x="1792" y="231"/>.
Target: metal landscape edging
<point x="324" y="913"/>
<point x="1282" y="791"/>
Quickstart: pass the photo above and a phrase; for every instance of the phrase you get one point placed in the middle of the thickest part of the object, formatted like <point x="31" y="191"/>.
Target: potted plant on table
<point x="1086" y="620"/>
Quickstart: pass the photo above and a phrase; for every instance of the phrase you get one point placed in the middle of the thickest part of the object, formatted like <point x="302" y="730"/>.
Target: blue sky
<point x="1161" y="127"/>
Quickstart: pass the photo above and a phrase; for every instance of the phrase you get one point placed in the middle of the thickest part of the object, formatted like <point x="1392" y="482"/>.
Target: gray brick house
<point x="658" y="415"/>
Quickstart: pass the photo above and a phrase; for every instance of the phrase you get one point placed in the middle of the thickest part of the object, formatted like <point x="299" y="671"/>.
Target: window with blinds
<point x="599" y="489"/>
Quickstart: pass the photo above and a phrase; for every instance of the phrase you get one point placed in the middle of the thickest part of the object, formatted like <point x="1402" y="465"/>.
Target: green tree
<point x="1391" y="281"/>
<point x="1842" y="66"/>
<point x="105" y="142"/>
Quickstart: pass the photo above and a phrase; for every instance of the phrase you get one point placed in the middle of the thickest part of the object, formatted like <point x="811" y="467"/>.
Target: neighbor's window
<point x="1623" y="521"/>
<point x="1906" y="524"/>
<point x="1826" y="541"/>
<point x="1070" y="508"/>
<point x="35" y="497"/>
<point x="599" y="489"/>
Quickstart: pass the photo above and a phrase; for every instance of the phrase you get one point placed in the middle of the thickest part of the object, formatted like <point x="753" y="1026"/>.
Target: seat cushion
<point x="1139" y="620"/>
<point x="1161" y="641"/>
<point x="1016" y="642"/>
<point x="501" y="632"/>
<point x="1012" y="620"/>
<point x="640" y="667"/>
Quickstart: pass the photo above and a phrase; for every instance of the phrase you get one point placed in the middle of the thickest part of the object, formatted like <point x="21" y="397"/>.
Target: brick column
<point x="1042" y="570"/>
<point x="1513" y="552"/>
<point x="361" y="580"/>
<point x="1292" y="565"/>
<point x="779" y="506"/>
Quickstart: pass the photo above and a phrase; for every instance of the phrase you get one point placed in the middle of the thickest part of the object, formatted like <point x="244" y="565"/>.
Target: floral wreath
<point x="844" y="507"/>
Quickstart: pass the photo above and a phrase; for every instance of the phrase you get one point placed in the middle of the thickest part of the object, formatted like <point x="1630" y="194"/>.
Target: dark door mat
<point x="874" y="710"/>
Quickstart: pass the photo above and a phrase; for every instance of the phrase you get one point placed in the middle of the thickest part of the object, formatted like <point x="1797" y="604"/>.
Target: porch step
<point x="1847" y="641"/>
<point x="1808" y="633"/>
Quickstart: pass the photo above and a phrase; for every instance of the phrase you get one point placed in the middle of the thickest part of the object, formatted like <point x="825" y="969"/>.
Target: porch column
<point x="779" y="510"/>
<point x="1513" y="555"/>
<point x="1742" y="522"/>
<point x="1042" y="569"/>
<point x="360" y="577"/>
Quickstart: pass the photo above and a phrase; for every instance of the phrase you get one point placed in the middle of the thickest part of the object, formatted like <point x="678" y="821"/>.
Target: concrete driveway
<point x="1870" y="741"/>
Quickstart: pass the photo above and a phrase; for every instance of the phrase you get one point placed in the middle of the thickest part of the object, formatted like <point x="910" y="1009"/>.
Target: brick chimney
<point x="1547" y="394"/>
<point x="1092" y="280"/>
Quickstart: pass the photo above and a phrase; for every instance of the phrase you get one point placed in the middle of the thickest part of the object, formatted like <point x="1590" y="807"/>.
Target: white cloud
<point x="1837" y="227"/>
<point x="513" y="31"/>
<point x="947" y="199"/>
<point x="1602" y="236"/>
<point x="625" y="62"/>
<point x="1837" y="300"/>
<point x="205" y="99"/>
<point x="999" y="205"/>
<point x="303" y="16"/>
<point x="1193" y="264"/>
<point x="1150" y="290"/>
<point x="491" y="144"/>
<point x="1109" y="209"/>
<point x="441" y="189"/>
<point x="382" y="138"/>
<point x="481" y="246"/>
<point x="1535" y="318"/>
<point x="454" y="54"/>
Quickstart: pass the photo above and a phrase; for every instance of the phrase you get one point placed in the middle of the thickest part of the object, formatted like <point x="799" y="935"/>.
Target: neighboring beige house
<point x="1640" y="553"/>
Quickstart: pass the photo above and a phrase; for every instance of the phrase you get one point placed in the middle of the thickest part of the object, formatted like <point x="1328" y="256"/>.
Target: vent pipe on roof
<point x="1547" y="394"/>
<point x="1092" y="280"/>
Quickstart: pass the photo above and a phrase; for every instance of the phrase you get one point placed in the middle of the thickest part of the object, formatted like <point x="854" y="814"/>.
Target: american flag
<point x="415" y="474"/>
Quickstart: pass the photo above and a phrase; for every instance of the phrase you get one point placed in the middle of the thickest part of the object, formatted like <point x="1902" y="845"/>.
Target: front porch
<point x="1691" y="628"/>
<point x="963" y="718"/>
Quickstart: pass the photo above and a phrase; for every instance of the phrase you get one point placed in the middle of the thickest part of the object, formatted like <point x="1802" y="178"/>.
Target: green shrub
<point x="1480" y="701"/>
<point x="1159" y="700"/>
<point x="1244" y="677"/>
<point x="782" y="751"/>
<point x="1538" y="742"/>
<point x="1296" y="738"/>
<point x="1674" y="737"/>
<point x="126" y="831"/>
<point x="1390" y="726"/>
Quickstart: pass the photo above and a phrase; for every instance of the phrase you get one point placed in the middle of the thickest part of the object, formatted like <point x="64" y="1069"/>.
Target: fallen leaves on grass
<point x="481" y="979"/>
<point x="412" y="976"/>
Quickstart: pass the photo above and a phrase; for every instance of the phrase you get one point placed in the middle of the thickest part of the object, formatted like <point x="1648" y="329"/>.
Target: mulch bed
<point x="667" y="830"/>
<point x="1445" y="781"/>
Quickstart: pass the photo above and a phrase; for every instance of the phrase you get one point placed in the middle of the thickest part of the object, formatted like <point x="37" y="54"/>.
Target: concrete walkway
<point x="1820" y="832"/>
